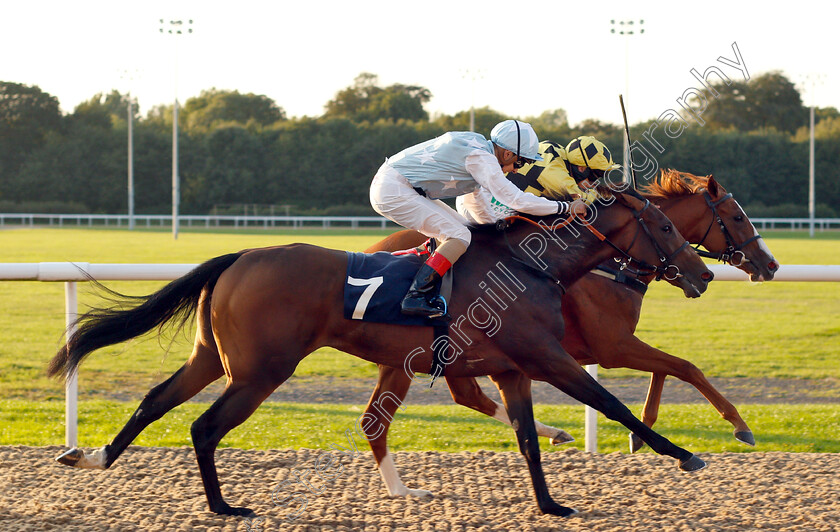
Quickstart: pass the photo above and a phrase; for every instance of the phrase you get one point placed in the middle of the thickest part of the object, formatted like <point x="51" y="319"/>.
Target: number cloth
<point x="375" y="286"/>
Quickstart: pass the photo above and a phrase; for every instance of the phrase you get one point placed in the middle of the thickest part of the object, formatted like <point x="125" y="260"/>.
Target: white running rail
<point x="72" y="272"/>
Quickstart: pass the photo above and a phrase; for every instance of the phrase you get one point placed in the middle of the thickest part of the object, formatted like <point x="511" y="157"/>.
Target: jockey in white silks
<point x="408" y="188"/>
<point x="570" y="171"/>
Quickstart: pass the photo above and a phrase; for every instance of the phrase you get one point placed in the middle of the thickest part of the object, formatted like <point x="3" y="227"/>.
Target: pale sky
<point x="528" y="58"/>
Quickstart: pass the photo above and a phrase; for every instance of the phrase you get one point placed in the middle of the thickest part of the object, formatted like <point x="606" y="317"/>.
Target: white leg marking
<point x="501" y="414"/>
<point x="94" y="460"/>
<point x="395" y="486"/>
<point x="557" y="436"/>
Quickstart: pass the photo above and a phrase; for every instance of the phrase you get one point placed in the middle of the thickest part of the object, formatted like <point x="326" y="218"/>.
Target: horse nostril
<point x="772" y="266"/>
<point x="707" y="276"/>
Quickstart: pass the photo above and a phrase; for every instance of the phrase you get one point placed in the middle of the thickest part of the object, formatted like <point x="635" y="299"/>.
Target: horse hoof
<point x="71" y="457"/>
<point x="745" y="436"/>
<point x="636" y="443"/>
<point x="556" y="509"/>
<point x="561" y="437"/>
<point x="78" y="458"/>
<point x="692" y="464"/>
<point x="240" y="511"/>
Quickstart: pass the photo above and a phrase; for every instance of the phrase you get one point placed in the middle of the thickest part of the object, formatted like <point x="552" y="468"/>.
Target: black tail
<point x="103" y="327"/>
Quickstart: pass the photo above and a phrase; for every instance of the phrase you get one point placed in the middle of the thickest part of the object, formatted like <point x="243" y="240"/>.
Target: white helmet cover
<point x="518" y="137"/>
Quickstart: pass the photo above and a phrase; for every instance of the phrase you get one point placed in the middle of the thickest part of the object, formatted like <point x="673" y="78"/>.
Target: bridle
<point x="731" y="251"/>
<point x="645" y="268"/>
<point x="666" y="270"/>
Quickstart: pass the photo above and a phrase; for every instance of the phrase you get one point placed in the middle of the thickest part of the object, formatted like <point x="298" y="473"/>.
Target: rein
<point x="660" y="271"/>
<point x="731" y="251"/>
<point x="644" y="267"/>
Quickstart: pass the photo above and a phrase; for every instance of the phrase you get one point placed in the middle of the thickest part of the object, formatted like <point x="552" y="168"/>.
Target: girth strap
<point x="440" y="328"/>
<point x="621" y="277"/>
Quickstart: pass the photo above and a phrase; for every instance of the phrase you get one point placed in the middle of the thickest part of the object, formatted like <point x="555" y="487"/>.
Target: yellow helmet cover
<point x="550" y="177"/>
<point x="547" y="177"/>
<point x="591" y="152"/>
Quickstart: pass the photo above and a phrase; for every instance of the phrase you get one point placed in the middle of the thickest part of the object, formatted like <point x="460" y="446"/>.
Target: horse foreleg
<point x="236" y="404"/>
<point x="563" y="372"/>
<point x="638" y="355"/>
<point x="387" y="397"/>
<point x="516" y="395"/>
<point x="466" y="392"/>
<point x="651" y="409"/>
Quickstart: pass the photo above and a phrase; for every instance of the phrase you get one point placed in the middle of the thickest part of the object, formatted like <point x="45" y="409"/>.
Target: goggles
<point x="522" y="161"/>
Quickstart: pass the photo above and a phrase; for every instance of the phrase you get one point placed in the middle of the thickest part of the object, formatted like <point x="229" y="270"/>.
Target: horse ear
<point x="712" y="186"/>
<point x="620" y="198"/>
<point x="626" y="200"/>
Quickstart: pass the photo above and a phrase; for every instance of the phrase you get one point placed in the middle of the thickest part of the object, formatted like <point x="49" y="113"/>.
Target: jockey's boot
<point x="423" y="297"/>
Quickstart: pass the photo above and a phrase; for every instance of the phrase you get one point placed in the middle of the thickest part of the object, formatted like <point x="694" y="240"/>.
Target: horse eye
<point x="667" y="228"/>
<point x="739" y="218"/>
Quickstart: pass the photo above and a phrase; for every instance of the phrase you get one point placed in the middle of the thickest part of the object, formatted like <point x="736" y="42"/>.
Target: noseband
<point x="645" y="269"/>
<point x="732" y="251"/>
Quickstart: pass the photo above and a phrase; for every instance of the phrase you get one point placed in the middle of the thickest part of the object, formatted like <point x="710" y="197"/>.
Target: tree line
<point x="242" y="149"/>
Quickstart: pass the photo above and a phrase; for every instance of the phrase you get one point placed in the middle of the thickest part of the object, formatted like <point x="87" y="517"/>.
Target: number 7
<point x="372" y="284"/>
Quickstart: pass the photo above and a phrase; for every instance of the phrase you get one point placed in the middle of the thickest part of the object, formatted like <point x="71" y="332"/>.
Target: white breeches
<point x="393" y="197"/>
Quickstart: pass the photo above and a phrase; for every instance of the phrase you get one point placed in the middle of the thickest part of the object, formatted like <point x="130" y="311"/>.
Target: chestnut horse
<point x="261" y="311"/>
<point x="706" y="215"/>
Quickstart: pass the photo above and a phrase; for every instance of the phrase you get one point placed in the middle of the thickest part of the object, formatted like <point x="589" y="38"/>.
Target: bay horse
<point x="702" y="211"/>
<point x="261" y="311"/>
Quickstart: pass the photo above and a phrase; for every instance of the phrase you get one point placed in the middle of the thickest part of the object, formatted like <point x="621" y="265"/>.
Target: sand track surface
<point x="160" y="489"/>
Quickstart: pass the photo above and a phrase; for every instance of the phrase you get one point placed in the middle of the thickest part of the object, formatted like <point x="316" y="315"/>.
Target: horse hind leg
<point x="203" y="367"/>
<point x="387" y="397"/>
<point x="467" y="392"/>
<point x="516" y="395"/>
<point x="650" y="412"/>
<point x="239" y="400"/>
<point x="555" y="436"/>
<point x="190" y="379"/>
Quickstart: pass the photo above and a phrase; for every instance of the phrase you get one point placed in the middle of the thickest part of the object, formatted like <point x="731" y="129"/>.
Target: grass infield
<point x="773" y="330"/>
<point x="451" y="428"/>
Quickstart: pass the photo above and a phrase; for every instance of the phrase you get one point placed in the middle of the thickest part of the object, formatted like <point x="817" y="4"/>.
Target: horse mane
<point x="672" y="183"/>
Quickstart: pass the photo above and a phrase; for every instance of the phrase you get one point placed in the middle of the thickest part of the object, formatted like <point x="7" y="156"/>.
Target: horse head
<point x="648" y="243"/>
<point x="710" y="217"/>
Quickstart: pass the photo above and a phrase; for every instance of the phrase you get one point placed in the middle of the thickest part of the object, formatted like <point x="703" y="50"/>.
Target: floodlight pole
<point x="472" y="75"/>
<point x="130" y="163"/>
<point x="129" y="76"/>
<point x="811" y="81"/>
<point x="176" y="191"/>
<point x="175" y="28"/>
<point x="811" y="194"/>
<point x="627" y="28"/>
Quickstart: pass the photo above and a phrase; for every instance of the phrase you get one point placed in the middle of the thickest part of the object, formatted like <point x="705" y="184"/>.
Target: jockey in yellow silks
<point x="570" y="171"/>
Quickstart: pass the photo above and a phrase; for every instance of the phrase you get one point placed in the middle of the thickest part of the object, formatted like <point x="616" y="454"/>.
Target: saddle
<point x="376" y="283"/>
